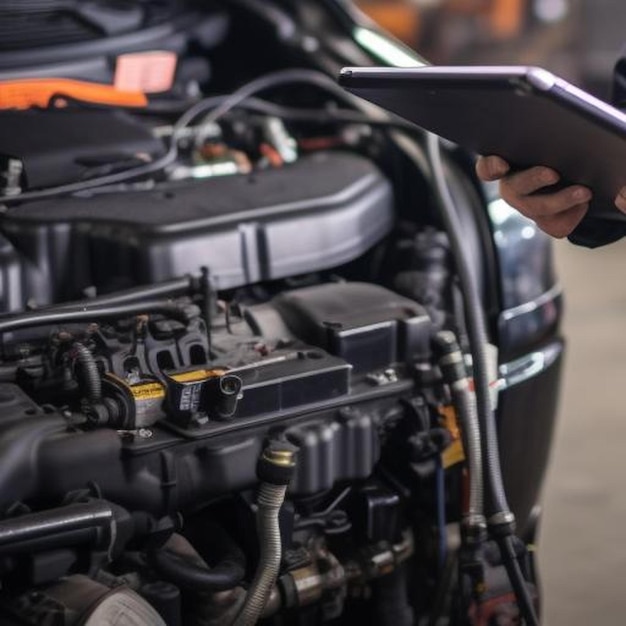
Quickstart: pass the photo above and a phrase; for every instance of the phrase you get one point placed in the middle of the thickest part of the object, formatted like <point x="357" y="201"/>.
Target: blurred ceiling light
<point x="427" y="4"/>
<point x="386" y="49"/>
<point x="551" y="10"/>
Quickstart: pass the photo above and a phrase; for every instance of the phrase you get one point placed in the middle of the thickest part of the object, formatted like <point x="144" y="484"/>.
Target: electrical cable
<point x="514" y="572"/>
<point x="317" y="116"/>
<point x="110" y="179"/>
<point x="501" y="519"/>
<point x="299" y="114"/>
<point x="263" y="83"/>
<point x="217" y="107"/>
<point x="440" y="479"/>
<point x="476" y="333"/>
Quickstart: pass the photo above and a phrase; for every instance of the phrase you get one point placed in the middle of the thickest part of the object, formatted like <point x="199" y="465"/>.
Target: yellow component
<point x="454" y="453"/>
<point x="197" y="375"/>
<point x="147" y="391"/>
<point x="448" y="416"/>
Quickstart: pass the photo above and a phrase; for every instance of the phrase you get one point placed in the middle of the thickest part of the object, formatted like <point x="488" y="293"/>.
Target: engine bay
<point x="235" y="381"/>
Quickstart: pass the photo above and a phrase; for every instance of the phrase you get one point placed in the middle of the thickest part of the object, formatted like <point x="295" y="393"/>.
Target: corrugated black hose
<point x="90" y="374"/>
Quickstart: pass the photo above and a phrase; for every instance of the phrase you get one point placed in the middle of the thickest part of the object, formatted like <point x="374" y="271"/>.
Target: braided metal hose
<point x="270" y="499"/>
<point x="453" y="370"/>
<point x="275" y="468"/>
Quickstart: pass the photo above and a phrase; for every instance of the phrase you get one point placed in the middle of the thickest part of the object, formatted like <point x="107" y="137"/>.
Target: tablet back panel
<point x="524" y="114"/>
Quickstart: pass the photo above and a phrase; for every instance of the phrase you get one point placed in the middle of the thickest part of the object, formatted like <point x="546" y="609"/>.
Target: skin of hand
<point x="555" y="212"/>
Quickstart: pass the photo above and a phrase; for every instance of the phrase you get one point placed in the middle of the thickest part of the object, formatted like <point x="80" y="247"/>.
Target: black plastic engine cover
<point x="320" y="212"/>
<point x="367" y="325"/>
<point x="60" y="146"/>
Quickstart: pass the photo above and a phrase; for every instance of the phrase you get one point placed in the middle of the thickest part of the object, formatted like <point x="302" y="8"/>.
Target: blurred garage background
<point x="582" y="550"/>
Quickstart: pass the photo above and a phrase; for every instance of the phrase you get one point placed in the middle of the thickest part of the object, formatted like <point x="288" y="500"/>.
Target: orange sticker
<point x="149" y="72"/>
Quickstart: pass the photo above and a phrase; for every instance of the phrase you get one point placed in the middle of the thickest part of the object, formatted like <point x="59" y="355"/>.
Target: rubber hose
<point x="501" y="519"/>
<point x="181" y="569"/>
<point x="91" y="374"/>
<point x="270" y="499"/>
<point x="524" y="601"/>
<point x="477" y="337"/>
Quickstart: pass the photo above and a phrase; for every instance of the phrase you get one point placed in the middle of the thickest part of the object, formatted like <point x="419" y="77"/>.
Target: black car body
<point x="250" y="294"/>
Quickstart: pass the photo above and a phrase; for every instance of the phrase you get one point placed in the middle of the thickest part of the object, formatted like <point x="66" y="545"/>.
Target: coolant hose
<point x="178" y="563"/>
<point x="275" y="469"/>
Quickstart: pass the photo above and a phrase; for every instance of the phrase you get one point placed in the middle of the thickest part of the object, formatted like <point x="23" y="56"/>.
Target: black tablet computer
<point x="526" y="115"/>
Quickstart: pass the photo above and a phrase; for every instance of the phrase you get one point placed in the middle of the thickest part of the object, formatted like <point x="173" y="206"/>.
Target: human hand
<point x="555" y="212"/>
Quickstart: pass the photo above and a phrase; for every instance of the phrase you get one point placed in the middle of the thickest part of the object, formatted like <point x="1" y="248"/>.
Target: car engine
<point x="234" y="382"/>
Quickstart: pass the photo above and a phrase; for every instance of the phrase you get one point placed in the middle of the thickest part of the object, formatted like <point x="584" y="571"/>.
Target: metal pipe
<point x="87" y="313"/>
<point x="21" y="533"/>
<point x="172" y="288"/>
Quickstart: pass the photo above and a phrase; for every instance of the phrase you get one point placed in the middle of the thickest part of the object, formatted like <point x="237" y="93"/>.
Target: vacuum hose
<point x="179" y="563"/>
<point x="275" y="469"/>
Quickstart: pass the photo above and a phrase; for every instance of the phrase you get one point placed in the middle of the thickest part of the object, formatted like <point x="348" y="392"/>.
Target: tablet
<point x="526" y="115"/>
